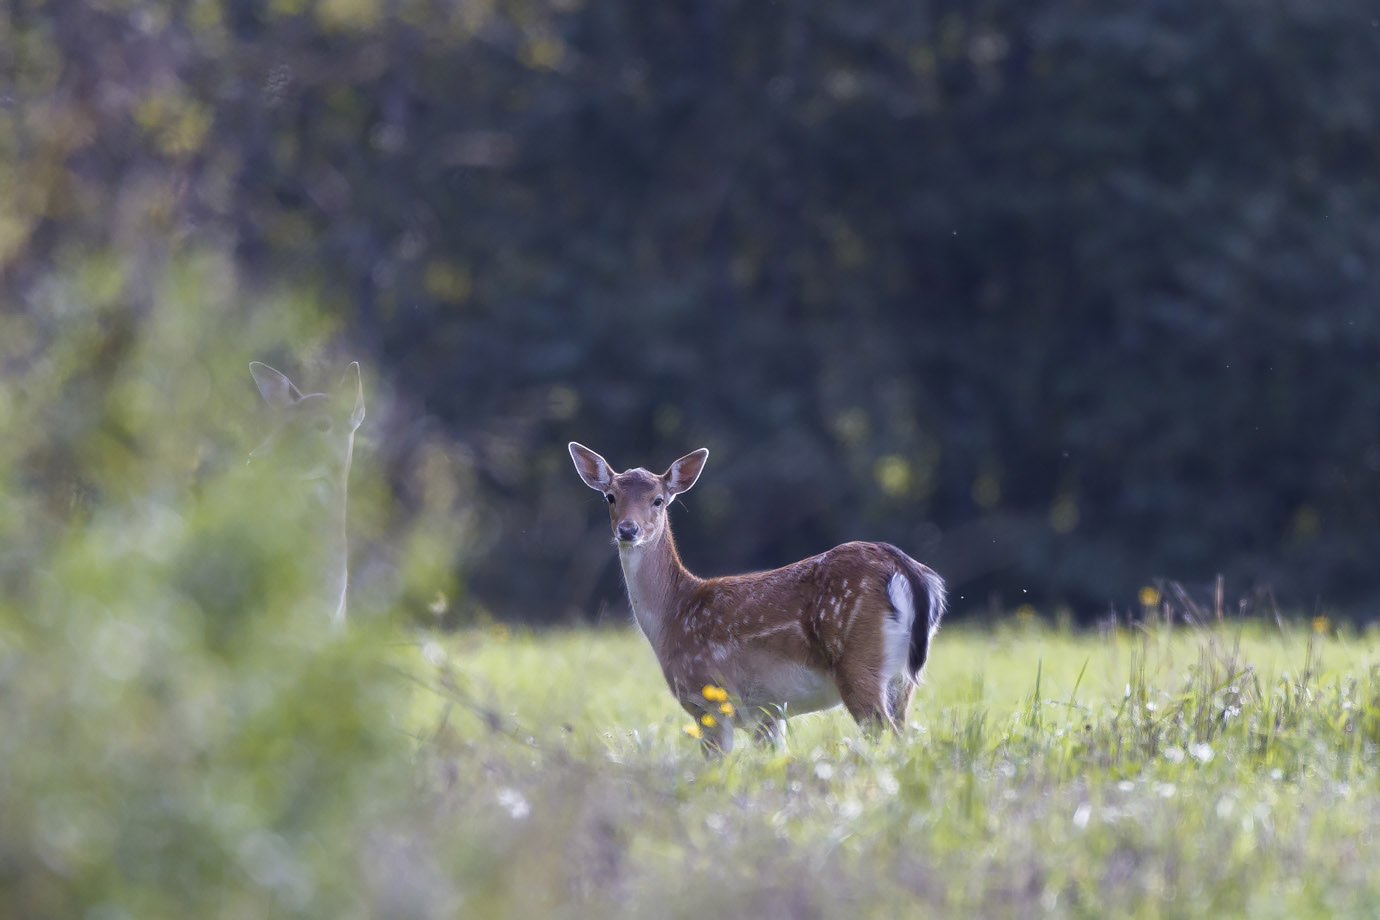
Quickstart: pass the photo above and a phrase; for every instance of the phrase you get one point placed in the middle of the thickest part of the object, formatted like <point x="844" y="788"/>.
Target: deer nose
<point x="627" y="531"/>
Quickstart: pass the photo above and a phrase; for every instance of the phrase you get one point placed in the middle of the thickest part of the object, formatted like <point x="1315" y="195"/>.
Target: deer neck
<point x="330" y="496"/>
<point x="338" y="576"/>
<point x="657" y="582"/>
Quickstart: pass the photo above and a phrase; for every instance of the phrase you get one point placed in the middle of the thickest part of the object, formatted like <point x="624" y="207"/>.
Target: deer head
<point x="312" y="442"/>
<point x="313" y="435"/>
<point x="637" y="499"/>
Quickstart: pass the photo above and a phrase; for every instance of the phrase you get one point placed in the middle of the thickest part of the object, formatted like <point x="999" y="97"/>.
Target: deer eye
<point x="656" y="503"/>
<point x="609" y="496"/>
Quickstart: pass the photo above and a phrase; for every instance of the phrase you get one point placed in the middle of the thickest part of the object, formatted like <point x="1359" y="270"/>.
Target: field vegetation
<point x="1140" y="772"/>
<point x="161" y="757"/>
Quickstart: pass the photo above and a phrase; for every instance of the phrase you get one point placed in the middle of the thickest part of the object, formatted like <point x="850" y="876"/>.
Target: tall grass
<point x="1174" y="772"/>
<point x="163" y="755"/>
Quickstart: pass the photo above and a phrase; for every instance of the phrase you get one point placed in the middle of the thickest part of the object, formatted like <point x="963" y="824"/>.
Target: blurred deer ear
<point x="593" y="469"/>
<point x="683" y="473"/>
<point x="352" y="387"/>
<point x="274" y="386"/>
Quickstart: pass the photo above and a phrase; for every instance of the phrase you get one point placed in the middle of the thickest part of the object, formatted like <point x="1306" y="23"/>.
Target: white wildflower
<point x="514" y="802"/>
<point x="1081" y="814"/>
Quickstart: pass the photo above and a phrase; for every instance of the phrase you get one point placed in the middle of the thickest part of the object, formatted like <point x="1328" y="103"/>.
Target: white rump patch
<point x="896" y="631"/>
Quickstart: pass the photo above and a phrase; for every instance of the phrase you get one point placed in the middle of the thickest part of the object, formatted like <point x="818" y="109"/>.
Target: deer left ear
<point x="683" y="473"/>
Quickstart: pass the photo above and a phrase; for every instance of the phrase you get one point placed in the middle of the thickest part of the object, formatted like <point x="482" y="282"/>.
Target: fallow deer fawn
<point x="851" y="625"/>
<point x="312" y="443"/>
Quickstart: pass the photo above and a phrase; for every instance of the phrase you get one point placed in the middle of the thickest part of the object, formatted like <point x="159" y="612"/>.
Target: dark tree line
<point x="1061" y="297"/>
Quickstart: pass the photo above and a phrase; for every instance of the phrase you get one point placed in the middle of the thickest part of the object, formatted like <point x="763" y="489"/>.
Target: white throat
<point x="646" y="588"/>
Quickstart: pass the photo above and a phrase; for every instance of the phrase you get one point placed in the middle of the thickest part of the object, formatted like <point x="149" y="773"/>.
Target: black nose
<point x="627" y="530"/>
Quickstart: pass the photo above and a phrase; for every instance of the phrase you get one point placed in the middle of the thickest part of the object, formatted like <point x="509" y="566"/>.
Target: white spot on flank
<point x="780" y="627"/>
<point x="846" y="623"/>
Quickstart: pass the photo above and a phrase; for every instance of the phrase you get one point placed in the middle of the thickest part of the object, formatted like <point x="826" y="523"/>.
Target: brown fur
<point x="798" y="638"/>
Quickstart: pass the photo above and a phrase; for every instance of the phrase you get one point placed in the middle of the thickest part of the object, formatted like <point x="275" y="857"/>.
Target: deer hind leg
<point x="898" y="695"/>
<point x="868" y="670"/>
<point x="864" y="692"/>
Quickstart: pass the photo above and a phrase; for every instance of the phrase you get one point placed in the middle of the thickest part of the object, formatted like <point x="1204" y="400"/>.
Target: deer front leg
<point x="717" y="740"/>
<point x="714" y="716"/>
<point x="713" y="727"/>
<point x="769" y="729"/>
<point x="898" y="696"/>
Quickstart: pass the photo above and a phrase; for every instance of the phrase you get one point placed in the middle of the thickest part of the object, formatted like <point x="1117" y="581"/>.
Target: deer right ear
<point x="274" y="386"/>
<point x="593" y="469"/>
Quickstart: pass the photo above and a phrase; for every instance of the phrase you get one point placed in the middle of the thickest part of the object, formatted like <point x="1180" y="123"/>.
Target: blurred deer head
<point x="314" y="434"/>
<point x="312" y="443"/>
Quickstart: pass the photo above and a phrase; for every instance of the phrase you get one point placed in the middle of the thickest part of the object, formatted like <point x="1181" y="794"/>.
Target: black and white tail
<point x="928" y="598"/>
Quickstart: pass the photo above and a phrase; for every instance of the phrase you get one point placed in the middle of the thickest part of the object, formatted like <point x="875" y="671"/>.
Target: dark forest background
<point x="1064" y="298"/>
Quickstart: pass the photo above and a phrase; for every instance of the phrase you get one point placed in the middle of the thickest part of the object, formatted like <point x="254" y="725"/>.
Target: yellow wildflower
<point x="708" y="721"/>
<point x="1149" y="596"/>
<point x="694" y="731"/>
<point x="726" y="708"/>
<point x="714" y="694"/>
<point x="1322" y="625"/>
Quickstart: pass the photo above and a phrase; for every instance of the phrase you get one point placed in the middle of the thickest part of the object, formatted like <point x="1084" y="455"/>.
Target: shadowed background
<point x="1061" y="298"/>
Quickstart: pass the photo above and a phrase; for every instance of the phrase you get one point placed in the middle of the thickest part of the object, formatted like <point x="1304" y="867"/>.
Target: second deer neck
<point x="657" y="583"/>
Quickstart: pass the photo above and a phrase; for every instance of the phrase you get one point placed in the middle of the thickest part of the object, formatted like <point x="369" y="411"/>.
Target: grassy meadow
<point x="1165" y="772"/>
<point x="156" y="764"/>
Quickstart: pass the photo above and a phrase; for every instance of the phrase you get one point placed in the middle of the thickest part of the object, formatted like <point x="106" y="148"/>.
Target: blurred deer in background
<point x="851" y="625"/>
<point x="311" y="445"/>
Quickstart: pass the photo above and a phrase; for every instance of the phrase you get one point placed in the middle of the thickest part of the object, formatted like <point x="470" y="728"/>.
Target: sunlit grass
<point x="1188" y="772"/>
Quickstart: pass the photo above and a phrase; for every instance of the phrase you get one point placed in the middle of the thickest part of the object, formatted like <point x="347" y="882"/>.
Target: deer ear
<point x="593" y="469"/>
<point x="274" y="386"/>
<point x="352" y="388"/>
<point x="683" y="473"/>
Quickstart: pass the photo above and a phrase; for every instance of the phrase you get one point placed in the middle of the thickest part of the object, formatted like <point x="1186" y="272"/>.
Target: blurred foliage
<point x="182" y="733"/>
<point x="1057" y="296"/>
